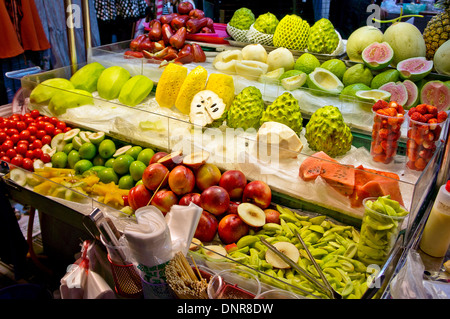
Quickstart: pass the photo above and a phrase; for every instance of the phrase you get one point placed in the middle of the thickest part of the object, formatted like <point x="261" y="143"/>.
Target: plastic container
<point x="234" y="284"/>
<point x="385" y="135"/>
<point x="436" y="234"/>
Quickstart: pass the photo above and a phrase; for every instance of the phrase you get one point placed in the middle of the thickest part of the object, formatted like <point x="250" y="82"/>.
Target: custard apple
<point x="322" y="37"/>
<point x="242" y="19"/>
<point x="292" y="32"/>
<point x="266" y="23"/>
<point x="327" y="132"/>
<point x="207" y="109"/>
<point x="246" y="109"/>
<point x="284" y="110"/>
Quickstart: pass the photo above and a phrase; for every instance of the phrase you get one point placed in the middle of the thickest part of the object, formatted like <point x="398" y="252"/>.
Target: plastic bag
<point x="390" y="6"/>
<point x="409" y="282"/>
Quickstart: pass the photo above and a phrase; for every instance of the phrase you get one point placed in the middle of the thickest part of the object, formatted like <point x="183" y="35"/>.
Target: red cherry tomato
<point x="46" y="139"/>
<point x="34" y="113"/>
<point x="15" y="138"/>
<point x="27" y="164"/>
<point x="40" y="133"/>
<point x="40" y="125"/>
<point x="54" y="120"/>
<point x="29" y="120"/>
<point x="32" y="129"/>
<point x="5" y="159"/>
<point x="25" y="135"/>
<point x="6" y="145"/>
<point x="12" y="131"/>
<point x="32" y="138"/>
<point x="23" y="142"/>
<point x="49" y="128"/>
<point x="11" y="153"/>
<point x="45" y="157"/>
<point x="36" y="144"/>
<point x="3" y="137"/>
<point x="61" y="125"/>
<point x="29" y="154"/>
<point x="17" y="160"/>
<point x="57" y="131"/>
<point x="21" y="149"/>
<point x="66" y="129"/>
<point x="21" y="125"/>
<point x="37" y="152"/>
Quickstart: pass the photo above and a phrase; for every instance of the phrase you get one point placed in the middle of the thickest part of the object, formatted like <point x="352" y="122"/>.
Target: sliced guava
<point x="398" y="92"/>
<point x="69" y="135"/>
<point x="377" y="55"/>
<point x="414" y="69"/>
<point x="294" y="82"/>
<point x="413" y="94"/>
<point x="324" y="80"/>
<point x="436" y="93"/>
<point x="373" y="95"/>
<point x="122" y="150"/>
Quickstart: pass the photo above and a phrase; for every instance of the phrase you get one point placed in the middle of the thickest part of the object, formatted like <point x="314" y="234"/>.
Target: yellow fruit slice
<point x="195" y="82"/>
<point x="169" y="84"/>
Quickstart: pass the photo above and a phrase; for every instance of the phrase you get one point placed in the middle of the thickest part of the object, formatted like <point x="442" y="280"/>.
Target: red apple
<point x="185" y="7"/>
<point x="232" y="209"/>
<point x="207" y="175"/>
<point x="164" y="199"/>
<point x="231" y="228"/>
<point x="181" y="180"/>
<point x="234" y="182"/>
<point x="215" y="199"/>
<point x="206" y="227"/>
<point x="190" y="198"/>
<point x="171" y="160"/>
<point x="139" y="196"/>
<point x="272" y="216"/>
<point x="155" y="158"/>
<point x="258" y="193"/>
<point x="154" y="175"/>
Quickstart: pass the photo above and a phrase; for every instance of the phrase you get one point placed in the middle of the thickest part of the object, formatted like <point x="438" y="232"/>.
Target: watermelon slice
<point x="311" y="166"/>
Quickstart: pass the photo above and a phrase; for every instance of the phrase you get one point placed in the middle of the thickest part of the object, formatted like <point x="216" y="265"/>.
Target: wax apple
<point x="196" y="14"/>
<point x="234" y="182"/>
<point x="181" y="180"/>
<point x="231" y="228"/>
<point x="158" y="155"/>
<point x="258" y="193"/>
<point x="164" y="199"/>
<point x="139" y="196"/>
<point x="206" y="227"/>
<point x="185" y="7"/>
<point x="190" y="198"/>
<point x="207" y="175"/>
<point x="215" y="199"/>
<point x="272" y="216"/>
<point x="155" y="175"/>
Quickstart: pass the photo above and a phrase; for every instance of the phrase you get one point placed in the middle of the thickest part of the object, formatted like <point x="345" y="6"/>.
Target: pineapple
<point x="437" y="30"/>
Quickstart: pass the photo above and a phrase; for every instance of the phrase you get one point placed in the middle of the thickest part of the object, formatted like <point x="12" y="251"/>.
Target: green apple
<point x="136" y="169"/>
<point x="108" y="175"/>
<point x="87" y="151"/>
<point x="134" y="151"/>
<point x="106" y="148"/>
<point x="122" y="164"/>
<point x="126" y="182"/>
<point x="82" y="165"/>
<point x="146" y="155"/>
<point x="59" y="160"/>
<point x="73" y="158"/>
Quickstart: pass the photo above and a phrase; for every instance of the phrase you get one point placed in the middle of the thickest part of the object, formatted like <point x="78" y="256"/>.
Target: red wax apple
<point x="181" y="180"/>
<point x="167" y="33"/>
<point x="210" y="24"/>
<point x="196" y="14"/>
<point x="139" y="196"/>
<point x="164" y="199"/>
<point x="155" y="32"/>
<point x="133" y="54"/>
<point x="146" y="45"/>
<point x="231" y="228"/>
<point x="258" y="193"/>
<point x="134" y="45"/>
<point x="199" y="54"/>
<point x="155" y="175"/>
<point x="195" y="25"/>
<point x="186" y="54"/>
<point x="167" y="18"/>
<point x="272" y="216"/>
<point x="155" y="158"/>
<point x="206" y="227"/>
<point x="234" y="181"/>
<point x="190" y="198"/>
<point x="179" y="22"/>
<point x="206" y="30"/>
<point x="215" y="199"/>
<point x="185" y="7"/>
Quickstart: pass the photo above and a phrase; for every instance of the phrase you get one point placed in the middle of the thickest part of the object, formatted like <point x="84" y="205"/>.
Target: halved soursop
<point x="326" y="131"/>
<point x="246" y="110"/>
<point x="292" y="32"/>
<point x="398" y="92"/>
<point x="207" y="109"/>
<point x="285" y="110"/>
<point x="322" y="37"/>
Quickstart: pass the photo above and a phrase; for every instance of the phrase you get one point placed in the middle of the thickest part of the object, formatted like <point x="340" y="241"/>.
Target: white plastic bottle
<point x="436" y="234"/>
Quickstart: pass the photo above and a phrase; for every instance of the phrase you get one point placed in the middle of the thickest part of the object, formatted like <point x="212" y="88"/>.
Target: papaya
<point x="111" y="81"/>
<point x="135" y="90"/>
<point x="44" y="91"/>
<point x="86" y="78"/>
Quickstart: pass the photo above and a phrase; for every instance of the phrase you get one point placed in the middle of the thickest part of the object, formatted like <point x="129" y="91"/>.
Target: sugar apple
<point x="292" y="32"/>
<point x="266" y="23"/>
<point x="207" y="109"/>
<point x="327" y="132"/>
<point x="246" y="109"/>
<point x="242" y="19"/>
<point x="322" y="37"/>
<point x="285" y="110"/>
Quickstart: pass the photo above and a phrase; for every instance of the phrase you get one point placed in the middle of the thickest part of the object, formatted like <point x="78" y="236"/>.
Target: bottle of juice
<point x="436" y="234"/>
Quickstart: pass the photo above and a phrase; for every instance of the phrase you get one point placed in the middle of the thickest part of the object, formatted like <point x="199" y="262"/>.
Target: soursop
<point x="242" y="19"/>
<point x="266" y="23"/>
<point x="284" y="110"/>
<point x="246" y="110"/>
<point x="327" y="132"/>
<point x="207" y="109"/>
<point x="322" y="37"/>
<point x="292" y="32"/>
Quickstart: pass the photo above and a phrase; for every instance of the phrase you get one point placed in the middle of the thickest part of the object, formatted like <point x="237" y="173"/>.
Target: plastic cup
<point x="385" y="135"/>
<point x="422" y="143"/>
<point x="378" y="235"/>
<point x="234" y="284"/>
<point x="278" y="294"/>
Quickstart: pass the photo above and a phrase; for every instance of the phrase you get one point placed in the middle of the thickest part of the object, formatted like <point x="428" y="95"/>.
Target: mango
<point x="86" y="78"/>
<point x="47" y="89"/>
<point x="111" y="81"/>
<point x="64" y="100"/>
<point x="135" y="90"/>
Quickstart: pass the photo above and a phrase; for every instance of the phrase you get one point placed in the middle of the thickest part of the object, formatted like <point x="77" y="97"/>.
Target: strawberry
<point x="421" y="108"/>
<point x="432" y="110"/>
<point x="420" y="164"/>
<point x="418" y="117"/>
<point x="380" y="104"/>
<point x="441" y="116"/>
<point x="411" y="111"/>
<point x="429" y="116"/>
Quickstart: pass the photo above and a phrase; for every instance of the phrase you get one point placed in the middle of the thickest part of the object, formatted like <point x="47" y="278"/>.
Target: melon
<point x="377" y="55"/>
<point x="442" y="58"/>
<point x="436" y="93"/>
<point x="398" y="92"/>
<point x="413" y="94"/>
<point x="414" y="69"/>
<point x="310" y="168"/>
<point x="406" y="40"/>
<point x="360" y="39"/>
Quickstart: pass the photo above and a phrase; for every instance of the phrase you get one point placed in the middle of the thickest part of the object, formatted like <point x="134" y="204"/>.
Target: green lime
<point x="335" y="66"/>
<point x="126" y="182"/>
<point x="122" y="164"/>
<point x="108" y="175"/>
<point x="98" y="160"/>
<point x="106" y="148"/>
<point x="109" y="162"/>
<point x="136" y="170"/>
<point x="87" y="151"/>
<point x="59" y="160"/>
<point x="67" y="148"/>
<point x="134" y="151"/>
<point x="146" y="155"/>
<point x="73" y="158"/>
<point x="307" y="62"/>
<point x="82" y="165"/>
<point x="357" y="74"/>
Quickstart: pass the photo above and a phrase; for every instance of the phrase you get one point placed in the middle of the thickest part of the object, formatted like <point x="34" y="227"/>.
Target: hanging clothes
<point x="125" y="9"/>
